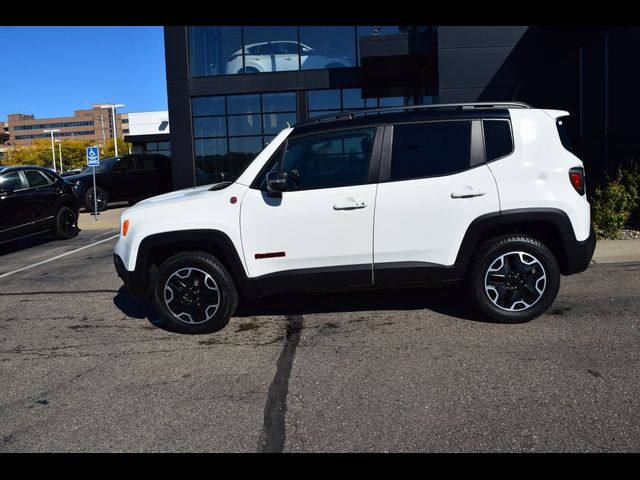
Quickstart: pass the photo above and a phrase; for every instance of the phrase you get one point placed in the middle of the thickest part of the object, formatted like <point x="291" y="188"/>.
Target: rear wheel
<point x="101" y="199"/>
<point x="194" y="293"/>
<point x="513" y="279"/>
<point x="66" y="223"/>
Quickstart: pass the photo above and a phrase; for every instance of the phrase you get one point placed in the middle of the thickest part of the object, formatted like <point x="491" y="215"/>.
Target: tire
<point x="186" y="274"/>
<point x="103" y="199"/>
<point x="513" y="279"/>
<point x="66" y="225"/>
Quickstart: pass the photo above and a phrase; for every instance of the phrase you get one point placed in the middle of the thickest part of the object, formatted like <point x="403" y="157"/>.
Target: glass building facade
<point x="253" y="81"/>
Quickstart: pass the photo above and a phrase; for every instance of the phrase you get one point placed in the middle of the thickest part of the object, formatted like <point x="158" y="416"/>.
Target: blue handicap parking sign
<point x="93" y="157"/>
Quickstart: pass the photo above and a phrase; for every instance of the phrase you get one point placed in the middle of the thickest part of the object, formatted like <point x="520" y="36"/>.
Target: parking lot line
<point x="58" y="256"/>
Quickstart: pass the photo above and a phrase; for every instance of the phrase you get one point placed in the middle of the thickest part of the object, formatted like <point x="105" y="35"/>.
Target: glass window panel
<point x="274" y="122"/>
<point x="371" y="102"/>
<point x="271" y="49"/>
<point x="209" y="127"/>
<point x="279" y="102"/>
<point x="394" y="101"/>
<point x="210" y="147"/>
<point x="497" y="138"/>
<point x="243" y="103"/>
<point x="330" y="160"/>
<point x="244" y="125"/>
<point x="11" y="180"/>
<point x="211" y="160"/>
<point x="214" y="50"/>
<point x="35" y="179"/>
<point x="324" y="99"/>
<point x="430" y="149"/>
<point x="321" y="113"/>
<point x="352" y="98"/>
<point x="164" y="145"/>
<point x="241" y="152"/>
<point x="154" y="145"/>
<point x="327" y="47"/>
<point x="202" y="106"/>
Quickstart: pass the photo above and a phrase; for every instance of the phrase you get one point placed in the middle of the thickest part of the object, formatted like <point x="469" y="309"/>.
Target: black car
<point x="35" y="200"/>
<point x="129" y="178"/>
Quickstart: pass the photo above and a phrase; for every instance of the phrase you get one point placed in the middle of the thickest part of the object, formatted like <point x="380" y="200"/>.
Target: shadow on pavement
<point x="448" y="301"/>
<point x="13" y="246"/>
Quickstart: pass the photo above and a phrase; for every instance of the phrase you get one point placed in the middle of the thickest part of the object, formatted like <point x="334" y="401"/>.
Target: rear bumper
<point x="579" y="254"/>
<point x="135" y="282"/>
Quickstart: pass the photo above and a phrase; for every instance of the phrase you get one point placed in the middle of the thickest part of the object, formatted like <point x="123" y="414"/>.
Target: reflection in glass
<point x="274" y="122"/>
<point x="241" y="151"/>
<point x="324" y="99"/>
<point x="202" y="106"/>
<point x="352" y="98"/>
<point x="212" y="48"/>
<point x="267" y="49"/>
<point x="210" y="160"/>
<point x="327" y="47"/>
<point x="321" y="113"/>
<point x="244" y="125"/>
<point x="209" y="127"/>
<point x="279" y="102"/>
<point x="243" y="103"/>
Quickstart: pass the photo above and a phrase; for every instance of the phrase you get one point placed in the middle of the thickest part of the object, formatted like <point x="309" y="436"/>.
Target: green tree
<point x="109" y="151"/>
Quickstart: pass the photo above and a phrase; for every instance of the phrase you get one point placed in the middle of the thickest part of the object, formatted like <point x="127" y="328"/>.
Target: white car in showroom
<point x="279" y="56"/>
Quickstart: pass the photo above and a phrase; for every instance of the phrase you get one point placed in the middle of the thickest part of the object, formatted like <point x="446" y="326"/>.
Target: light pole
<point x="53" y="150"/>
<point x="59" y="142"/>
<point x="113" y="107"/>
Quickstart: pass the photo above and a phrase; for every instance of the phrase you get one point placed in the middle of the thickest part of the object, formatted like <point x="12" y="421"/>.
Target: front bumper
<point x="579" y="254"/>
<point x="135" y="282"/>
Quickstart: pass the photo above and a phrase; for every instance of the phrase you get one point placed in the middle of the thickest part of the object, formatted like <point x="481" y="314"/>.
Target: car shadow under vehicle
<point x="446" y="300"/>
<point x="36" y="240"/>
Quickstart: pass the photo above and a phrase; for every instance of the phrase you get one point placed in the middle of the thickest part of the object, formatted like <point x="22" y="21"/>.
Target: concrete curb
<point x="614" y="251"/>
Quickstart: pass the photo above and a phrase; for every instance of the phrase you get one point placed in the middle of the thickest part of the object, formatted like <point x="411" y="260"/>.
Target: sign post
<point x="93" y="161"/>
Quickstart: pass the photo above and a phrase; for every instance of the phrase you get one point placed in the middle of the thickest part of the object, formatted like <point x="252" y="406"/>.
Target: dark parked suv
<point x="35" y="200"/>
<point x="129" y="178"/>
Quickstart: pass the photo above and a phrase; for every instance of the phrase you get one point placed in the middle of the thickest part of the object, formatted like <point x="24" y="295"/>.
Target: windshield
<point x="105" y="165"/>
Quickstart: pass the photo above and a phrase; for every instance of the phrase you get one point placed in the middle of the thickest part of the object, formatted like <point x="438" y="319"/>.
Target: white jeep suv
<point x="485" y="194"/>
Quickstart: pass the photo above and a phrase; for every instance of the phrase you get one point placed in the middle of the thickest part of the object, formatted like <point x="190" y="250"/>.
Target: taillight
<point x="576" y="177"/>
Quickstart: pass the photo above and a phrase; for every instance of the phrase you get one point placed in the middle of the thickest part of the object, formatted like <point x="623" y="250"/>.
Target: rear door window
<point x="430" y="149"/>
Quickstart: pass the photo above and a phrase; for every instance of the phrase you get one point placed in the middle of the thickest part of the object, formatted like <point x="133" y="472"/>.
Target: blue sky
<point x="52" y="71"/>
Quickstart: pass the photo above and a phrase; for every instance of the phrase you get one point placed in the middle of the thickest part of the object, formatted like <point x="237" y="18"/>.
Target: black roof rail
<point x="351" y="114"/>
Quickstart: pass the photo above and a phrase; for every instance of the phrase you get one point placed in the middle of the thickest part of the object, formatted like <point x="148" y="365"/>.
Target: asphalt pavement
<point x="84" y="367"/>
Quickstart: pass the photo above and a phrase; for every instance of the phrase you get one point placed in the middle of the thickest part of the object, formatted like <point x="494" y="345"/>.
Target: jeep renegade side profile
<point x="485" y="194"/>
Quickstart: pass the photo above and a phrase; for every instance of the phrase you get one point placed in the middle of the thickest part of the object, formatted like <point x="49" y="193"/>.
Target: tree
<point x="73" y="154"/>
<point x="109" y="151"/>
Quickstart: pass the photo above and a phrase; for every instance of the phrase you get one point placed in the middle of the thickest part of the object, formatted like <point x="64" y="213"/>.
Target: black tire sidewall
<point x="488" y="253"/>
<point x="89" y="204"/>
<point x="208" y="263"/>
<point x="56" y="229"/>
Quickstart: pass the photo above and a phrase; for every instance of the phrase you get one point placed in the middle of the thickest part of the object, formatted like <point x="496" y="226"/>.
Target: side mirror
<point x="277" y="182"/>
<point x="6" y="192"/>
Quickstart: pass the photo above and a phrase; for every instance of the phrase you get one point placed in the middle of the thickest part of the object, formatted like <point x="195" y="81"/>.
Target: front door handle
<point x="468" y="192"/>
<point x="350" y="205"/>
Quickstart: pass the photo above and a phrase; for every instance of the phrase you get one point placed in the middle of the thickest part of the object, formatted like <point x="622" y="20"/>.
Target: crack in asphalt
<point x="275" y="409"/>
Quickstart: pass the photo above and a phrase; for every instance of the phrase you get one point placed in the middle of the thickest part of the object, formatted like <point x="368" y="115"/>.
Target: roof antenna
<point x="514" y="95"/>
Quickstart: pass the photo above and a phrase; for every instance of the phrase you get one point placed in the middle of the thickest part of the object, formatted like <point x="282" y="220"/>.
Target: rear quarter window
<point x="498" y="141"/>
<point x="564" y="138"/>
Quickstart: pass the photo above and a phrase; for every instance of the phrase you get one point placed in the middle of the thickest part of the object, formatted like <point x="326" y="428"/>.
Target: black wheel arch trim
<point x="576" y="255"/>
<point x="138" y="281"/>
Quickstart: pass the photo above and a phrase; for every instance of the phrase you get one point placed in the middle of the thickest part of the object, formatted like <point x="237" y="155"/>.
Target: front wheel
<point x="194" y="293"/>
<point x="513" y="279"/>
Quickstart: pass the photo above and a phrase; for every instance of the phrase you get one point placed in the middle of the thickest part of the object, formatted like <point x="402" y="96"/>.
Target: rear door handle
<point x="349" y="205"/>
<point x="468" y="192"/>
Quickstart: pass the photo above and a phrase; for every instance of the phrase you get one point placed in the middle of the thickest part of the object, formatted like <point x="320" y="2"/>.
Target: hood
<point x="78" y="176"/>
<point x="178" y="196"/>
